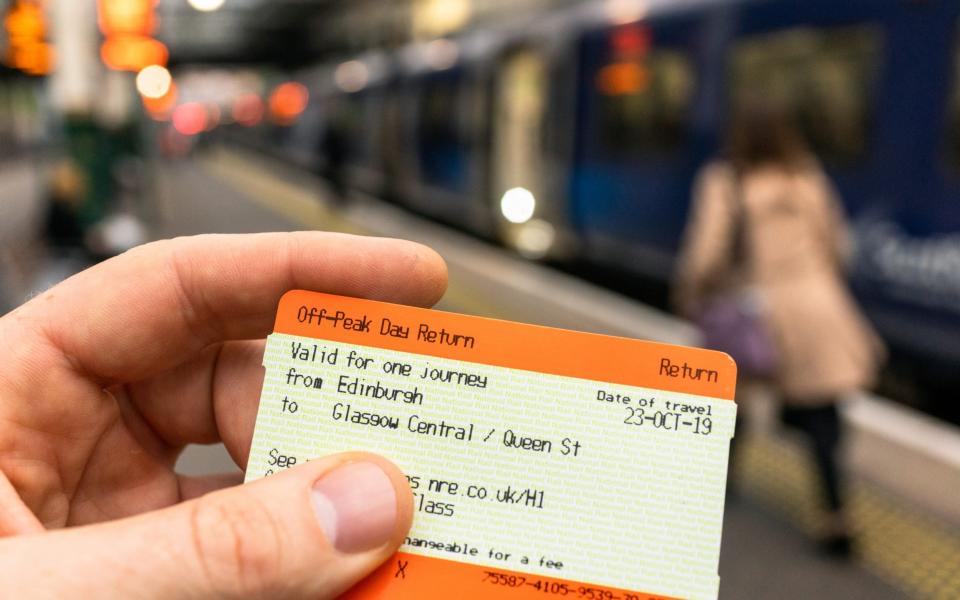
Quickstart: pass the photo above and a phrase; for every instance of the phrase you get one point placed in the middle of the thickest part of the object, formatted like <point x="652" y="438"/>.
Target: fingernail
<point x="356" y="506"/>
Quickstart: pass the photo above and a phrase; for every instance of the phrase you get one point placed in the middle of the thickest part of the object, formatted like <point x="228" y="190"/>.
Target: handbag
<point x="733" y="322"/>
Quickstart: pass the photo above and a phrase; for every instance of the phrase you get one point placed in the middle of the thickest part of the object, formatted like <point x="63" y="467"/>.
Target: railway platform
<point x="908" y="541"/>
<point x="908" y="547"/>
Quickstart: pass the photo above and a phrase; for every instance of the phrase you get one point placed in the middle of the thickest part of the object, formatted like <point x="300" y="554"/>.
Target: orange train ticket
<point x="544" y="463"/>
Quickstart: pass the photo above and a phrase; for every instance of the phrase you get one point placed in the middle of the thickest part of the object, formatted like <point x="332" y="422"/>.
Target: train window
<point x="644" y="103"/>
<point x="953" y="112"/>
<point x="823" y="79"/>
<point x="349" y="118"/>
<point x="441" y="135"/>
<point x="439" y="117"/>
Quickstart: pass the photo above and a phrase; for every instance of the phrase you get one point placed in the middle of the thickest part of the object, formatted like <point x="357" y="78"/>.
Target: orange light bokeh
<point x="35" y="58"/>
<point x="133" y="52"/>
<point x="127" y="26"/>
<point x="127" y="17"/>
<point x="288" y="102"/>
<point x="26" y="29"/>
<point x="623" y="78"/>
<point x="160" y="109"/>
<point x="25" y="20"/>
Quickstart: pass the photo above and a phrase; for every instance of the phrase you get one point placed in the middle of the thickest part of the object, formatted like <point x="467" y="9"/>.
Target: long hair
<point x="761" y="134"/>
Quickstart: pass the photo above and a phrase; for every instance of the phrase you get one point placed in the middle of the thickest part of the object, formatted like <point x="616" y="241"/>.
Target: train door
<point x="516" y="161"/>
<point x="442" y="145"/>
<point x="305" y="136"/>
<point x="365" y="174"/>
<point x="392" y="157"/>
<point x="638" y="143"/>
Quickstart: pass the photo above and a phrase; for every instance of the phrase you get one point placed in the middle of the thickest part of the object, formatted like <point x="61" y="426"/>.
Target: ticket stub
<point x="544" y="463"/>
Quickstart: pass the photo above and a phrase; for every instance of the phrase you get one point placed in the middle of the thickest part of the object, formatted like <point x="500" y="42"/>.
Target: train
<point x="578" y="134"/>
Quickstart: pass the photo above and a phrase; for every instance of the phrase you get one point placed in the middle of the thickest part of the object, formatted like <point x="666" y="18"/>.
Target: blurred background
<point x="549" y="150"/>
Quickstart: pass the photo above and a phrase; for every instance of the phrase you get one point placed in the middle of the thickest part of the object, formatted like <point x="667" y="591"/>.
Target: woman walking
<point x="766" y="228"/>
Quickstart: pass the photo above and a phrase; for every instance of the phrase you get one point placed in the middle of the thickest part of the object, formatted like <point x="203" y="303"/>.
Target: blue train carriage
<point x="581" y="133"/>
<point x="485" y="125"/>
<point x="442" y="106"/>
<point x="355" y="120"/>
<point x="872" y="83"/>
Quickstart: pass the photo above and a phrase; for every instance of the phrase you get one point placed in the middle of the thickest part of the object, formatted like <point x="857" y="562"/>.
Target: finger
<point x="309" y="532"/>
<point x="217" y="397"/>
<point x="194" y="487"/>
<point x="15" y="517"/>
<point x="146" y="310"/>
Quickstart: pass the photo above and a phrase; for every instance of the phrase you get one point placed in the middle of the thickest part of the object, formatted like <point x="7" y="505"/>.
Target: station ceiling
<point x="242" y="30"/>
<point x="302" y="31"/>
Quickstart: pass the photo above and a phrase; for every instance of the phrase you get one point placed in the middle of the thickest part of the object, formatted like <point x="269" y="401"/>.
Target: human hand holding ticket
<point x="106" y="377"/>
<point x="543" y="462"/>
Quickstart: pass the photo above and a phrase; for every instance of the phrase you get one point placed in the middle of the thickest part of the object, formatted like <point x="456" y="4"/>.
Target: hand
<point x="105" y="379"/>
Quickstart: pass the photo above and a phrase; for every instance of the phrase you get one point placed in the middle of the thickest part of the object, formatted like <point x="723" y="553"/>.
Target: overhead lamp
<point x="352" y="76"/>
<point x="288" y="101"/>
<point x="206" y="5"/>
<point x="442" y="54"/>
<point x="154" y="82"/>
<point x="518" y="205"/>
<point x="190" y="119"/>
<point x="133" y="52"/>
<point x="621" y="12"/>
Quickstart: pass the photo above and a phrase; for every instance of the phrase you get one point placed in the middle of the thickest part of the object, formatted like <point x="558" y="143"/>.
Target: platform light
<point x="518" y="205"/>
<point x="352" y="76"/>
<point x="206" y="5"/>
<point x="161" y="109"/>
<point x="128" y="27"/>
<point x="133" y="52"/>
<point x="190" y="118"/>
<point x="440" y="17"/>
<point x="127" y="17"/>
<point x="248" y="110"/>
<point x="621" y="12"/>
<point x="442" y="54"/>
<point x="288" y="102"/>
<point x="26" y="29"/>
<point x="623" y="79"/>
<point x="32" y="59"/>
<point x="154" y="81"/>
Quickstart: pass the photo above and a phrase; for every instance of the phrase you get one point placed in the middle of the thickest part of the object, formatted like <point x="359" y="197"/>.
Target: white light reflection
<point x="206" y="5"/>
<point x="518" y="205"/>
<point x="442" y="54"/>
<point x="621" y="12"/>
<point x="154" y="82"/>
<point x="352" y="76"/>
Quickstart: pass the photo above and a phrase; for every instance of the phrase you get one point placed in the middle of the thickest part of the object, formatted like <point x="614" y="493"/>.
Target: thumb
<point x="311" y="531"/>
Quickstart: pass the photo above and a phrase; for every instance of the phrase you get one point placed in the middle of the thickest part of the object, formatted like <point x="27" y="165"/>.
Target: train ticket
<point x="544" y="463"/>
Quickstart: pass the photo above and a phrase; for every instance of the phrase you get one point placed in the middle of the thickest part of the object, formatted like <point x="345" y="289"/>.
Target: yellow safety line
<point x="265" y="188"/>
<point x="916" y="553"/>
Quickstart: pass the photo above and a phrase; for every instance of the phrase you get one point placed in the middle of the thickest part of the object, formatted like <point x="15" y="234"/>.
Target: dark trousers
<point x="822" y="426"/>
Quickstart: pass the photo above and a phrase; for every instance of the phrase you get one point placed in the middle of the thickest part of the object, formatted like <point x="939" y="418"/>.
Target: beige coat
<point x="794" y="243"/>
